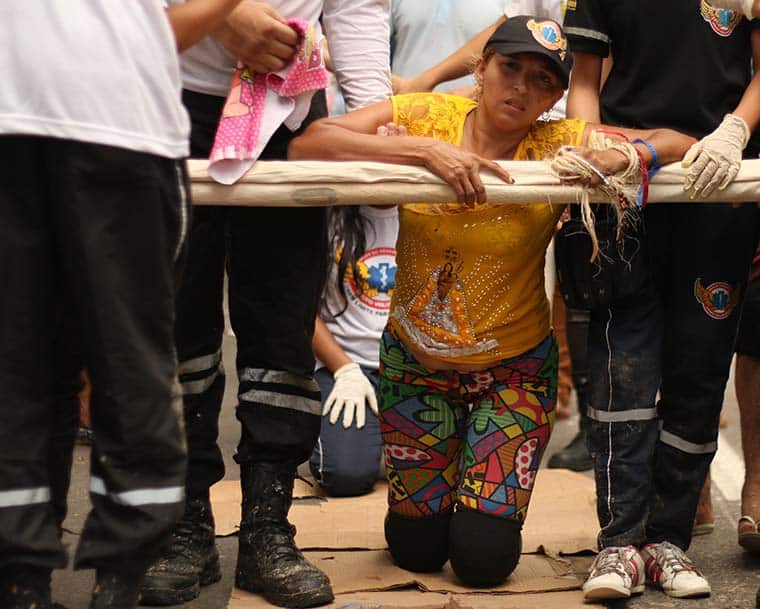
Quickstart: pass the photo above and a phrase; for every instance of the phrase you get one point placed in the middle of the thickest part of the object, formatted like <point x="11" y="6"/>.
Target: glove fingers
<point x="372" y="401"/>
<point x="732" y="171"/>
<point x="691" y="154"/>
<point x="697" y="167"/>
<point x="328" y="404"/>
<point x="717" y="180"/>
<point x="704" y="177"/>
<point x="361" y="416"/>
<point x="335" y="412"/>
<point x="348" y="414"/>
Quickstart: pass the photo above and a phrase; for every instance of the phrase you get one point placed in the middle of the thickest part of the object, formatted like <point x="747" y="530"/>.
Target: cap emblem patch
<point x="549" y="35"/>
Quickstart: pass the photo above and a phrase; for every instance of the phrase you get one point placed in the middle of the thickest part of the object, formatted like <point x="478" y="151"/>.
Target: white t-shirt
<point x="357" y="31"/>
<point x="551" y="9"/>
<point x="358" y="329"/>
<point x="103" y="72"/>
<point x="425" y="32"/>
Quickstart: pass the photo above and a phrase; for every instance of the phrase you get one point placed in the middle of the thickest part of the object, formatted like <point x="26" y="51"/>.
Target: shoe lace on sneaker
<point x="674" y="558"/>
<point x="609" y="560"/>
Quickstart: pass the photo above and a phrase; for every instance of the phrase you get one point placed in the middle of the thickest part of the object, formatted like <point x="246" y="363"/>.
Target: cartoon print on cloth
<point x="258" y="104"/>
<point x="549" y="35"/>
<point x="723" y="21"/>
<point x="436" y="318"/>
<point x="373" y="289"/>
<point x="479" y="382"/>
<point x="525" y="466"/>
<point x="718" y="299"/>
<point x="473" y="438"/>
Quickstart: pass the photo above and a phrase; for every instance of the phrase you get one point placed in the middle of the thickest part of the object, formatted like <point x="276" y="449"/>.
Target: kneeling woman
<point x="468" y="360"/>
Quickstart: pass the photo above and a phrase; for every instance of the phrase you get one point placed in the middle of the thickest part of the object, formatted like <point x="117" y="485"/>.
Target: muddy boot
<point x="25" y="587"/>
<point x="189" y="562"/>
<point x="268" y="560"/>
<point x="574" y="456"/>
<point x="116" y="589"/>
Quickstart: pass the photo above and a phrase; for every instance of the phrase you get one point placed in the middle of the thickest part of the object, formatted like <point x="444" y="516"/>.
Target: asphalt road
<point x="734" y="575"/>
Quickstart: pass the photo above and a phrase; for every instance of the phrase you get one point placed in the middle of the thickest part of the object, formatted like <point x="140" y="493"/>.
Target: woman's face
<point x="517" y="89"/>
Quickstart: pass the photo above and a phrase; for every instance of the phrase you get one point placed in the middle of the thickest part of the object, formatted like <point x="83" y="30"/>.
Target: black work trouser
<point x="675" y="336"/>
<point x="275" y="259"/>
<point x="90" y="240"/>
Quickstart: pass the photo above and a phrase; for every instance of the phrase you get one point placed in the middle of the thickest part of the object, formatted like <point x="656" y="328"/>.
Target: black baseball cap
<point x="528" y="34"/>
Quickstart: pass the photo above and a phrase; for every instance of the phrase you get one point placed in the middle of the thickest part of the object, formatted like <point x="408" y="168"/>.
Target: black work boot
<point x="575" y="455"/>
<point x="25" y="587"/>
<point x="268" y="560"/>
<point x="116" y="589"/>
<point x="189" y="562"/>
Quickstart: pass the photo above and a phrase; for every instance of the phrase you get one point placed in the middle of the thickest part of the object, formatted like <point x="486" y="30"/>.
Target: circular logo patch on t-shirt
<point x="377" y="270"/>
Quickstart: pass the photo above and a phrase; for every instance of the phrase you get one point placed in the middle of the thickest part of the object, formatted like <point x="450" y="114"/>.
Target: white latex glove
<point x="716" y="158"/>
<point x="749" y="8"/>
<point x="352" y="390"/>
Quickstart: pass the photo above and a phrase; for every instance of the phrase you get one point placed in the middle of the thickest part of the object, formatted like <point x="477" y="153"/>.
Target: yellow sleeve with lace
<point x="434" y="115"/>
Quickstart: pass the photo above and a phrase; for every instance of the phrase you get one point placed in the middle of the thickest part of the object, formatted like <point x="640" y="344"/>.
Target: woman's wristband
<point x="654" y="166"/>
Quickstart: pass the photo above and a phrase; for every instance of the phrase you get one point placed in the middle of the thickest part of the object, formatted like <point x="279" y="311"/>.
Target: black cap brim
<point x="513" y="48"/>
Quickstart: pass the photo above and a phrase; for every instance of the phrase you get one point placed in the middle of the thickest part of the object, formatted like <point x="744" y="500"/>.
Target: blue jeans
<point x="345" y="462"/>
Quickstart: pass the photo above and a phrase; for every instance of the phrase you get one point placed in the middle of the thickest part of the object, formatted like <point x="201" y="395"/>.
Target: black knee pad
<point x="418" y="544"/>
<point x="483" y="549"/>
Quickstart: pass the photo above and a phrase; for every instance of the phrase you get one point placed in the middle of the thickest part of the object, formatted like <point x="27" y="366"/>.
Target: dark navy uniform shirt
<point x="681" y="64"/>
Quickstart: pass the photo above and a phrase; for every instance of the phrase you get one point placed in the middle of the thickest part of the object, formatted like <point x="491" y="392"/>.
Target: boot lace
<point x="280" y="539"/>
<point x="181" y="540"/>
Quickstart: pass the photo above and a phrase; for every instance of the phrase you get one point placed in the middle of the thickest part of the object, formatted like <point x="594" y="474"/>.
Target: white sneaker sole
<point x="692" y="593"/>
<point x="610" y="592"/>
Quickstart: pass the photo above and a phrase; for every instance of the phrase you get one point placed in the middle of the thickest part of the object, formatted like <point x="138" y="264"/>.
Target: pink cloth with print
<point x="258" y="104"/>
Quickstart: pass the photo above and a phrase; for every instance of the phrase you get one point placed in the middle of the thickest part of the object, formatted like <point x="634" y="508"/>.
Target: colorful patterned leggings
<point x="470" y="438"/>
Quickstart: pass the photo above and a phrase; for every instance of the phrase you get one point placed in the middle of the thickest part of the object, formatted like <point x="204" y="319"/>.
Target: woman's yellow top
<point x="470" y="282"/>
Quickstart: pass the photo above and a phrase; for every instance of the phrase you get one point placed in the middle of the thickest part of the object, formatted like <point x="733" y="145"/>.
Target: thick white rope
<point x="319" y="183"/>
<point x="622" y="188"/>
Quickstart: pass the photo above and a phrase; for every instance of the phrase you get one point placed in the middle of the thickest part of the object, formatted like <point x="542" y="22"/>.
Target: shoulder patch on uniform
<point x="723" y="21"/>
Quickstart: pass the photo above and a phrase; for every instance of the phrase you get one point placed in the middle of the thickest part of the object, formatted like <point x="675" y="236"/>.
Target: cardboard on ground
<point x="561" y="518"/>
<point x="347" y="542"/>
<point x="413" y="599"/>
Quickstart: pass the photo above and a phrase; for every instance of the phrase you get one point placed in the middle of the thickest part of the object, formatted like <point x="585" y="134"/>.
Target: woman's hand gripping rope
<point x="612" y="165"/>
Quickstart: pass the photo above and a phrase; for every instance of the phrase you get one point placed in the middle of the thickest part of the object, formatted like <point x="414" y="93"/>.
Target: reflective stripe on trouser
<point x="649" y="471"/>
<point x="275" y="260"/>
<point x="118" y="290"/>
<point x="470" y="438"/>
<point x="281" y="415"/>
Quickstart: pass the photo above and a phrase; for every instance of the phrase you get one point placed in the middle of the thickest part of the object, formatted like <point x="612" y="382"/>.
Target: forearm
<point x="671" y="146"/>
<point x="583" y="97"/>
<point x="194" y="19"/>
<point x="583" y="103"/>
<point x="359" y="34"/>
<point x="749" y="105"/>
<point x="326" y="348"/>
<point x="325" y="140"/>
<point x="459" y="63"/>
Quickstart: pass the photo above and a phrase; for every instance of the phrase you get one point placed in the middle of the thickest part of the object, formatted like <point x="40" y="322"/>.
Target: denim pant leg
<point x="710" y="248"/>
<point x="345" y="462"/>
<point x="624" y="356"/>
